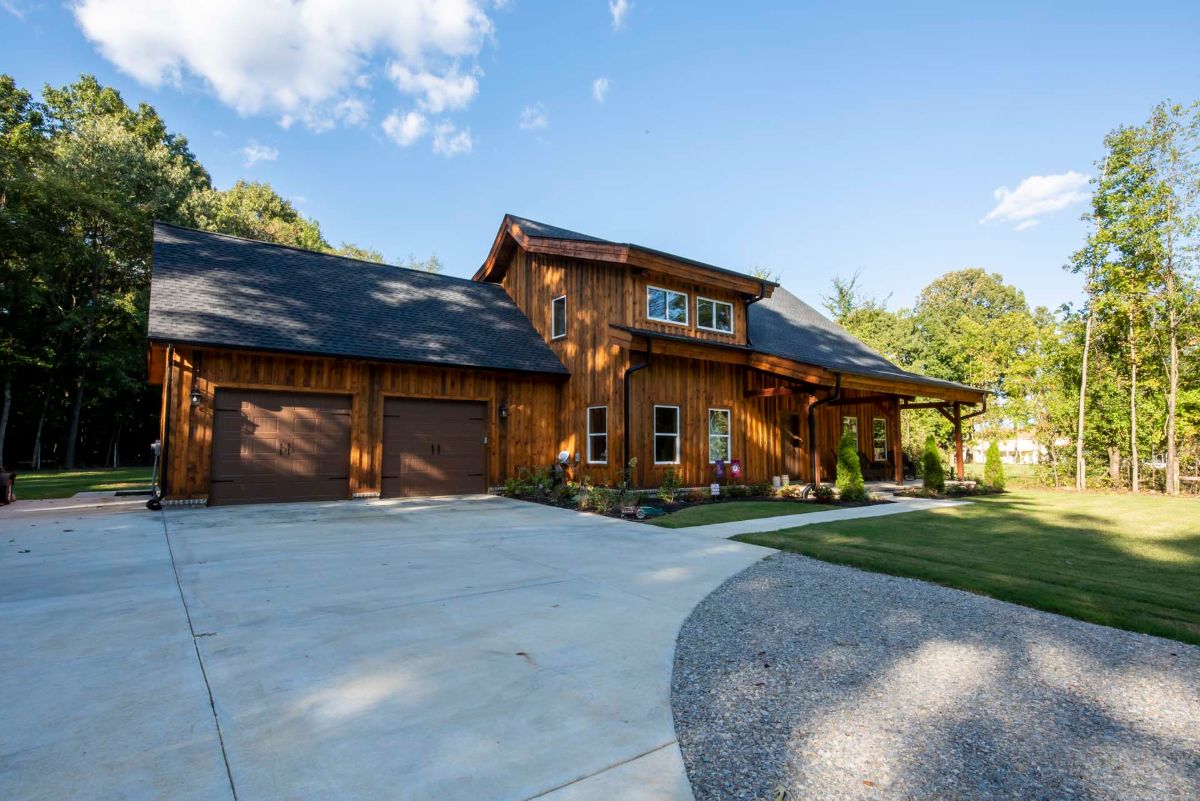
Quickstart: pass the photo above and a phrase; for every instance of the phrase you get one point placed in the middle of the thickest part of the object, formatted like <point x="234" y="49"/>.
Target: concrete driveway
<point x="446" y="649"/>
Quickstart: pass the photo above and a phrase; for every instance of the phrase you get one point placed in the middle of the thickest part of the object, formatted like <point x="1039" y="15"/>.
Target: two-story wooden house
<point x="292" y="375"/>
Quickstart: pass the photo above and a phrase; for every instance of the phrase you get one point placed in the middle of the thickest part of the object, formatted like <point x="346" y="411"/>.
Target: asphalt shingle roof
<point x="783" y="325"/>
<point x="214" y="289"/>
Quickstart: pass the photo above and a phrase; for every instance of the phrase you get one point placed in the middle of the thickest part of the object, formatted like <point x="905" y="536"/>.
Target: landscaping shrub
<point x="735" y="491"/>
<point x="669" y="488"/>
<point x="931" y="467"/>
<point x="823" y="493"/>
<point x="849" y="471"/>
<point x="602" y="499"/>
<point x="763" y="489"/>
<point x="993" y="469"/>
<point x="791" y="491"/>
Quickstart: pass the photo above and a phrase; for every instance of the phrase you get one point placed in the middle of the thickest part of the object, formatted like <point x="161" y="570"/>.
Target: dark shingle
<point x="221" y="290"/>
<point x="783" y="325"/>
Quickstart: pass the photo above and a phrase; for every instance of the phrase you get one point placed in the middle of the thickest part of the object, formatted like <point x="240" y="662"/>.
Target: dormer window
<point x="714" y="315"/>
<point x="558" y="317"/>
<point x="666" y="306"/>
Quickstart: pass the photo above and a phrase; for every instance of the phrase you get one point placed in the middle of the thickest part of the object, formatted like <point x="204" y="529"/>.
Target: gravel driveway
<point x="839" y="684"/>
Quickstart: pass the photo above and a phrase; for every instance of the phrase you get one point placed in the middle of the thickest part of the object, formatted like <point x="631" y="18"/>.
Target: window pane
<point x="724" y="317"/>
<point x="560" y="317"/>
<point x="599" y="448"/>
<point x="718" y="448"/>
<point x="850" y="424"/>
<point x="677" y="303"/>
<point x="657" y="304"/>
<point x="879" y="438"/>
<point x="704" y="313"/>
<point x="666" y="420"/>
<point x="664" y="448"/>
<point x="718" y="421"/>
<point x="598" y="420"/>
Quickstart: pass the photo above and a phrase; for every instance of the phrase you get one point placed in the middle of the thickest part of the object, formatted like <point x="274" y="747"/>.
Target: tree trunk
<point x="4" y="413"/>
<point x="1134" y="480"/>
<point x="1080" y="464"/>
<point x="1114" y="465"/>
<point x="1172" y="386"/>
<point x="115" y="447"/>
<point x="36" y="461"/>
<point x="73" y="431"/>
<point x="1054" y="463"/>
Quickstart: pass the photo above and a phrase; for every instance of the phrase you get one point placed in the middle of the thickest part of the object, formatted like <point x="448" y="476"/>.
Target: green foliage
<point x="849" y="470"/>
<point x="668" y="490"/>
<point x="763" y="489"/>
<point x="932" y="471"/>
<point x="993" y="470"/>
<point x="603" y="499"/>
<point x="824" y="493"/>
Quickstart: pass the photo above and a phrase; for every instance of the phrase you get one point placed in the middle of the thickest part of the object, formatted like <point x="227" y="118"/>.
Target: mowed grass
<point x="39" y="484"/>
<point x="728" y="511"/>
<point x="1120" y="560"/>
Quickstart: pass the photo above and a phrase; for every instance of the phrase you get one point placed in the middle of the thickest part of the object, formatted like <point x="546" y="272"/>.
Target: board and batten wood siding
<point x="521" y="438"/>
<point x="636" y="315"/>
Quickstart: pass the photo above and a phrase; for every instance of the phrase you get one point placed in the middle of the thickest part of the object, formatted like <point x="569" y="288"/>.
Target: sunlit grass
<point x="729" y="511"/>
<point x="1121" y="560"/>
<point x="39" y="484"/>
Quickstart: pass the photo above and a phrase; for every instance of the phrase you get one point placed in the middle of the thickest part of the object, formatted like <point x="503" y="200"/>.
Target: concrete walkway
<point x="899" y="506"/>
<point x="448" y="649"/>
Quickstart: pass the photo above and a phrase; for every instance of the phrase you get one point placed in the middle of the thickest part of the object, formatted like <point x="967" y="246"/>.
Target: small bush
<point x="515" y="488"/>
<point x="602" y="499"/>
<point x="931" y="467"/>
<point x="993" y="469"/>
<point x="669" y="488"/>
<point x="849" y="471"/>
<point x="735" y="491"/>
<point x="823" y="493"/>
<point x="791" y="491"/>
<point x="763" y="489"/>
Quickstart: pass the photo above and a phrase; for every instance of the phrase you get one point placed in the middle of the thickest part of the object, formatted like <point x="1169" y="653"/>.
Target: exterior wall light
<point x="196" y="397"/>
<point x="503" y="411"/>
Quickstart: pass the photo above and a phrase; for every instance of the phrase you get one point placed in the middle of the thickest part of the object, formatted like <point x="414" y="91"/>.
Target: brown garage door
<point x="433" y="447"/>
<point x="280" y="446"/>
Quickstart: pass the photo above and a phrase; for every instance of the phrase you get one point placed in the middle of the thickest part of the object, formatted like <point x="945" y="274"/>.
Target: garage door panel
<point x="280" y="446"/>
<point x="433" y="447"/>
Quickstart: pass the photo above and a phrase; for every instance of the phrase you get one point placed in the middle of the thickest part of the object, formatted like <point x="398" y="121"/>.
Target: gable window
<point x="666" y="305"/>
<point x="879" y="439"/>
<point x="597" y="435"/>
<point x="714" y="315"/>
<point x="666" y="435"/>
<point x="558" y="317"/>
<point x="850" y="424"/>
<point x="718" y="435"/>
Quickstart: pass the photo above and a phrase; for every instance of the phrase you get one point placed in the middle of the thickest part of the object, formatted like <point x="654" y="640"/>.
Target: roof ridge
<point x="310" y="252"/>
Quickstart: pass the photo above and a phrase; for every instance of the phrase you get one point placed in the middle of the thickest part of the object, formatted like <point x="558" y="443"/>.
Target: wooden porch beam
<point x="925" y="405"/>
<point x="862" y="399"/>
<point x="775" y="392"/>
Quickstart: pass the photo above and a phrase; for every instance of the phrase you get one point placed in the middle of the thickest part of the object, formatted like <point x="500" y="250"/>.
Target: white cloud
<point x="1037" y="196"/>
<point x="299" y="60"/>
<point x="438" y="93"/>
<point x="405" y="129"/>
<point x="253" y="152"/>
<point x="13" y="7"/>
<point x="448" y="141"/>
<point x="600" y="89"/>
<point x="533" y="118"/>
<point x="618" y="9"/>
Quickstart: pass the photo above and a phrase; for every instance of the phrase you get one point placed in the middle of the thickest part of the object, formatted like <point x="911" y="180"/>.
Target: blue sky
<point x="815" y="139"/>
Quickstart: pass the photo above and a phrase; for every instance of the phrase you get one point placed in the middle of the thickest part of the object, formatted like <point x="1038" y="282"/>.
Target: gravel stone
<point x="834" y="683"/>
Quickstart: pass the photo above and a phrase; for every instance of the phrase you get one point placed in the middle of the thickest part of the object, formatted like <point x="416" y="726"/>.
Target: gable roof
<point x="214" y="289"/>
<point x="785" y="326"/>
<point x="544" y="238"/>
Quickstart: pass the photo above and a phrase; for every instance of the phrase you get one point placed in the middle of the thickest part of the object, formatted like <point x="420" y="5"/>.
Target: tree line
<point x="83" y="175"/>
<point x="1117" y="376"/>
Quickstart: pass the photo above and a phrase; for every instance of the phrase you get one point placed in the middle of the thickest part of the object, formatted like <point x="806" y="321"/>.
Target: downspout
<point x="160" y="489"/>
<point x="812" y="431"/>
<point x="629" y="371"/>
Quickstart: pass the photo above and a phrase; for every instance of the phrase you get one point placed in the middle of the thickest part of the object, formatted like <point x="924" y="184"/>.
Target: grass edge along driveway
<point x="36" y="485"/>
<point x="729" y="511"/>
<point x="1127" y="561"/>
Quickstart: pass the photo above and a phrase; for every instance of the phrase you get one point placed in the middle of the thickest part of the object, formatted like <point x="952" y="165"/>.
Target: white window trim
<point x="654" y="432"/>
<point x="857" y="433"/>
<point x="714" y="301"/>
<point x="563" y="335"/>
<point x="588" y="426"/>
<point x="728" y="435"/>
<point x="885" y="438"/>
<point x="686" y="307"/>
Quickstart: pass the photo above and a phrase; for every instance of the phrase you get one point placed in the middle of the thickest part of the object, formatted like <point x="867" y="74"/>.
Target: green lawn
<point x="1121" y="560"/>
<point x="35" y="485"/>
<point x="728" y="511"/>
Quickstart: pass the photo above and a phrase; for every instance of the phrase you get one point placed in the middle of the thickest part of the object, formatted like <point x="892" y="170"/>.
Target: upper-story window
<point x="714" y="315"/>
<point x="666" y="305"/>
<point x="558" y="317"/>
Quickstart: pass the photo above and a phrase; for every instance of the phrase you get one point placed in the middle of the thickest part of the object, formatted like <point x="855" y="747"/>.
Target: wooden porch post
<point x="958" y="442"/>
<point x="897" y="456"/>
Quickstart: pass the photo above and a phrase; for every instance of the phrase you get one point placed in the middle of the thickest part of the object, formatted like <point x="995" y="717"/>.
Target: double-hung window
<point x="718" y="435"/>
<point x="714" y="315"/>
<point x="879" y="439"/>
<point x="597" y="435"/>
<point x="666" y="435"/>
<point x="558" y="317"/>
<point x="666" y="306"/>
<point x="850" y="424"/>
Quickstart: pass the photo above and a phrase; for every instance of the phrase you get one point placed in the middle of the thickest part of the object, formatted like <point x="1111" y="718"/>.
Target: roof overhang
<point x="511" y="236"/>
